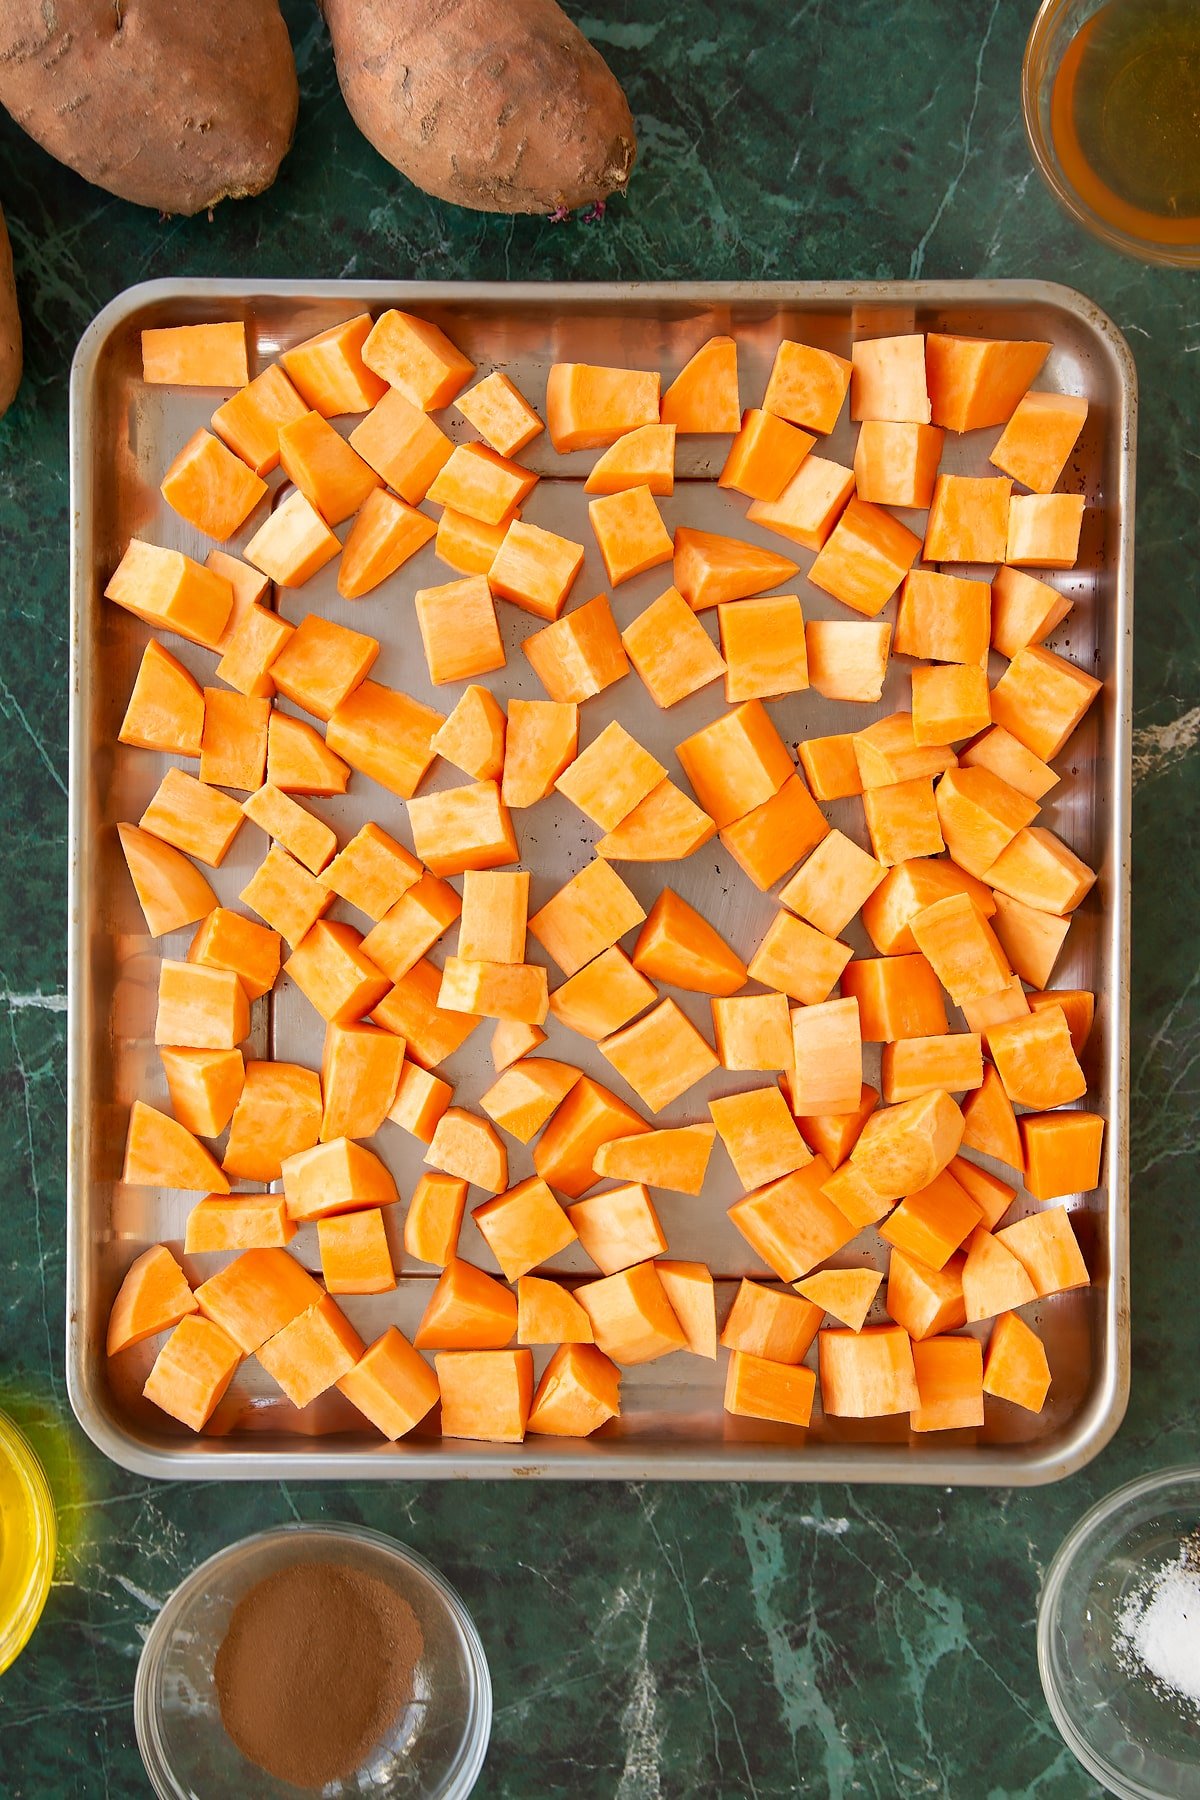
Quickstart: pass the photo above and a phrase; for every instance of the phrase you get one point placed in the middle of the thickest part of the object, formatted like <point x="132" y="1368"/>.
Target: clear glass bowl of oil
<point x="28" y="1539"/>
<point x="1111" y="95"/>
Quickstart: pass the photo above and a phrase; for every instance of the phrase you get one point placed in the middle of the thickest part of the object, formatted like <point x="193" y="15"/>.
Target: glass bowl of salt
<point x="1119" y="1638"/>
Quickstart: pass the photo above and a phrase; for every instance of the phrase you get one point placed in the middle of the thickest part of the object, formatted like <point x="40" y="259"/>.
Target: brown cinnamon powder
<point x="315" y="1667"/>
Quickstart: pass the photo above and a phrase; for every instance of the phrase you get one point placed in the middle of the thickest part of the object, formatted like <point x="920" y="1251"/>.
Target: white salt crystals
<point x="1158" y="1632"/>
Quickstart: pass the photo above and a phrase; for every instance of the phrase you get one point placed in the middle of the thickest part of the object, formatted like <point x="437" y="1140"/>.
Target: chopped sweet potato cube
<point x="329" y="371"/>
<point x="919" y="1065"/>
<point x="494" y="990"/>
<point x="278" y="1114"/>
<point x="299" y="761"/>
<point x="630" y="532"/>
<point x="887" y="379"/>
<point x="868" y="1373"/>
<point x="944" y="618"/>
<point x="676" y="1158"/>
<point x="322" y="664"/>
<point x="798" y="960"/>
<point x="1036" y="1060"/>
<point x="605" y="994"/>
<point x="678" y="946"/>
<point x="664" y="827"/>
<point x="205" y="1008"/>
<point x="830" y="766"/>
<point x="827" y="1057"/>
<point x="256" y="1295"/>
<point x="736" y="763"/>
<point x="292" y="542"/>
<point x="500" y="413"/>
<point x="204" y="1086"/>
<point x="791" y="1223"/>
<point x="588" y="1117"/>
<point x="486" y="1394"/>
<point x="848" y="1294"/>
<point x="642" y="458"/>
<point x="1043" y="529"/>
<point x="762" y="641"/>
<point x="990" y="1123"/>
<point x="895" y="464"/>
<point x="832" y="884"/>
<point x="689" y="1288"/>
<point x="949" y="1383"/>
<point x="1031" y="939"/>
<point x="906" y="890"/>
<point x="932" y="1223"/>
<point x="244" y="1222"/>
<point x="360" y="1072"/>
<point x="704" y="395"/>
<point x="807" y="385"/>
<point x="334" y="974"/>
<point x="282" y="892"/>
<point x="1048" y="1249"/>
<point x="898" y="997"/>
<point x="153" y="1297"/>
<point x="968" y="519"/>
<point x="865" y="558"/>
<point x="170" y="592"/>
<point x="766" y="841"/>
<point x="903" y="1148"/>
<point x="403" y="445"/>
<point x="847" y="661"/>
<point x="523" y="1097"/>
<point x="903" y="821"/>
<point x="764" y="455"/>
<point x="420" y="1100"/>
<point x="753" y="1031"/>
<point x="196" y="355"/>
<point x="1061" y="1152"/>
<point x="385" y="534"/>
<point x="495" y="910"/>
<point x="192" y="1371"/>
<point x="834" y="1135"/>
<point x="660" y="1055"/>
<point x="472" y="737"/>
<point x="249" y="420"/>
<point x="511" y="1041"/>
<point x="589" y="913"/>
<point x="412" y="1012"/>
<point x="975" y="382"/>
<point x="770" y="1322"/>
<point x="710" y="568"/>
<point x="463" y="828"/>
<point x="435" y="1216"/>
<point x="319" y="461"/>
<point x="548" y="1313"/>
<point x="579" y="1391"/>
<point x="171" y="890"/>
<point x="612" y="776"/>
<point x="524" y="1227"/>
<point x="1039" y="437"/>
<point x="992" y="1278"/>
<point x="760" y="1135"/>
<point x="854" y="1197"/>
<point x="541" y="741"/>
<point x="992" y="1196"/>
<point x="961" y="948"/>
<point x="757" y="1388"/>
<point x="192" y="817"/>
<point x="580" y="654"/>
<point x="484" y="486"/>
<point x="301" y="833"/>
<point x="459" y="630"/>
<point x="618" y="1228"/>
<point x="467" y="1146"/>
<point x="312" y="1351"/>
<point x="670" y="649"/>
<point x="211" y="488"/>
<point x="809" y="506"/>
<point x="417" y="357"/>
<point x="1041" y="698"/>
<point x="1037" y="868"/>
<point x="468" y="1310"/>
<point x="391" y="1385"/>
<point x="335" y="1177"/>
<point x="355" y="1255"/>
<point x="632" y="1319"/>
<point x="1006" y="1003"/>
<point x="1017" y="1367"/>
<point x="1024" y="610"/>
<point x="469" y="545"/>
<point x="925" y="1301"/>
<point x="588" y="407"/>
<point x="166" y="707"/>
<point x="535" y="569"/>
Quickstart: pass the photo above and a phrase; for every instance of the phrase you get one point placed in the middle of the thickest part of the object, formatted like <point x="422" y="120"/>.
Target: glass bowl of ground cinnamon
<point x="325" y="1659"/>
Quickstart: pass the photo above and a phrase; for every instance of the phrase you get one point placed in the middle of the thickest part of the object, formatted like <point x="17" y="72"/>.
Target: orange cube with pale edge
<point x="924" y="1300"/>
<point x="753" y="1031"/>
<point x="1041" y="698"/>
<point x="153" y="1297"/>
<point x="807" y="385"/>
<point x="1017" y="1367"/>
<point x="847" y="661"/>
<point x="355" y="1255"/>
<point x="412" y="1012"/>
<point x="463" y="828"/>
<point x="385" y="534"/>
<point x="766" y="841"/>
<point x="226" y="940"/>
<point x="166" y="706"/>
<point x="618" y="1227"/>
<point x="468" y="1310"/>
<point x="675" y="1158"/>
<point x="898" y="997"/>
<point x="833" y="882"/>
<point x="834" y="1135"/>
<point x="360" y="1072"/>
<point x="612" y="776"/>
<point x="867" y="1374"/>
<point x="770" y="1322"/>
<point x="500" y="413"/>
<point x="848" y="1294"/>
<point x="632" y="1319"/>
<point x="704" y="395"/>
<point x="992" y="1278"/>
<point x="495" y="990"/>
<point x="211" y="488"/>
<point x="798" y="960"/>
<point x="1036" y="1059"/>
<point x="975" y="382"/>
<point x="1048" y="1250"/>
<point x="589" y="913"/>
<point x="670" y="649"/>
<point x="1043" y="529"/>
<point x="1038" y="868"/>
<point x="535" y="569"/>
<point x="827" y="1057"/>
<point x="579" y="1391"/>
<point x="642" y="458"/>
<point x="249" y="420"/>
<point x="886" y="752"/>
<point x="887" y="379"/>
<point x="903" y="821"/>
<point x="472" y="737"/>
<point x="196" y="355"/>
<point x="990" y="1123"/>
<point x="301" y="833"/>
<point x="319" y="461"/>
<point x="542" y="737"/>
<point x="757" y="1388"/>
<point x="949" y="1383"/>
<point x="169" y="591"/>
<point x="480" y="484"/>
<point x="736" y="763"/>
<point x="469" y="545"/>
<point x="403" y="445"/>
<point x="932" y="1223"/>
<point x="192" y="1371"/>
<point x="630" y="533"/>
<point x="762" y="641"/>
<point x="588" y="1117"/>
<point x="434" y="1217"/>
<point x="467" y="1146"/>
<point x="580" y="654"/>
<point x="764" y="455"/>
<point x="256" y="1295"/>
<point x="949" y="701"/>
<point x="590" y="406"/>
<point x="760" y="1135"/>
<point x="830" y="766"/>
<point x="205" y="1086"/>
<point x="1034" y="446"/>
<point x="968" y="519"/>
<point x="282" y="892"/>
<point x="512" y="1040"/>
<point x="524" y="1227"/>
<point x="710" y="568"/>
<point x="458" y="628"/>
<point x="372" y="871"/>
<point x="660" y="1055"/>
<point x="322" y="664"/>
<point x="919" y="1065"/>
<point x="299" y="761"/>
<point x="245" y="1222"/>
<point x="335" y="1177"/>
<point x="1061" y="1152"/>
<point x="604" y="995"/>
<point x="865" y="558"/>
<point x="1024" y="610"/>
<point x="664" y="827"/>
<point x="961" y="948"/>
<point x="979" y="814"/>
<point x="903" y="1148"/>
<point x="548" y="1313"/>
<point x="192" y="817"/>
<point x="791" y="1223"/>
<point x="810" y="505"/>
<point x="943" y="618"/>
<point x="391" y="1384"/>
<point x="278" y="1114"/>
<point x="329" y="372"/>
<point x="895" y="464"/>
<point x="204" y="1008"/>
<point x="417" y="357"/>
<point x="689" y="1288"/>
<point x="485" y="1394"/>
<point x="292" y="542"/>
<point x="331" y="970"/>
<point x="1031" y="939"/>
<point x="679" y="946"/>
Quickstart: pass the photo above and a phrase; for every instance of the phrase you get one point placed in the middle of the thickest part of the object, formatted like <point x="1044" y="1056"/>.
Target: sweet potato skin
<point x="10" y="325"/>
<point x="498" y="105"/>
<point x="166" y="103"/>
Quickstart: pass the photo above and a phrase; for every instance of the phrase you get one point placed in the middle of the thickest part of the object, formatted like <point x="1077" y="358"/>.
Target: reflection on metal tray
<point x="124" y="434"/>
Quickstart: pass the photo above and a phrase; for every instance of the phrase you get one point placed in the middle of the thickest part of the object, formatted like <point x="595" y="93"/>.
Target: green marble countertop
<point x="647" y="1642"/>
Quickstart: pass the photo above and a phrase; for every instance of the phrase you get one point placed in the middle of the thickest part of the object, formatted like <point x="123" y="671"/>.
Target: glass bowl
<point x="434" y="1750"/>
<point x="1091" y="203"/>
<point x="1137" y="1744"/>
<point x="28" y="1540"/>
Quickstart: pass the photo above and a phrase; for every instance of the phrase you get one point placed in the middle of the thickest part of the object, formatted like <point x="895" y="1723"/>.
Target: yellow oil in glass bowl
<point x="28" y="1538"/>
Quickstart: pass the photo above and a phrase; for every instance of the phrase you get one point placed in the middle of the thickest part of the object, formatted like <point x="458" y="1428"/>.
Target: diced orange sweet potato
<point x="689" y="1289"/>
<point x="832" y="884"/>
<point x="757" y="1388"/>
<point x="386" y="735"/>
<point x="403" y="445"/>
<point x="736" y="763"/>
<point x="467" y="1146"/>
<point x="434" y="1217"/>
<point x="301" y="833"/>
<point x="975" y="382"/>
<point x="458" y="629"/>
<point x="848" y="1294"/>
<point x="791" y="1223"/>
<point x="548" y="1313"/>
<point x="164" y="1154"/>
<point x="678" y="946"/>
<point x="1039" y="437"/>
<point x="949" y="1383"/>
<point x="1036" y="1060"/>
<point x="903" y="1148"/>
<point x="412" y="1012"/>
<point x="153" y="1297"/>
<point x="472" y="737"/>
<point x="1048" y="1249"/>
<point x="486" y="1394"/>
<point x="494" y="990"/>
<point x="887" y="753"/>
<point x="329" y="371"/>
<point x="335" y="1177"/>
<point x="322" y="664"/>
<point x="854" y="1197"/>
<point x="979" y="815"/>
<point x="192" y="817"/>
<point x="753" y="1031"/>
<point x="604" y="995"/>
<point x="710" y="568"/>
<point x="524" y="1227"/>
<point x="944" y="618"/>
<point x="771" y="1323"/>
<point x="676" y="1158"/>
<point x="1041" y="698"/>
<point x="961" y="948"/>
<point x="1062" y="1152"/>
<point x="887" y="380"/>
<point x="535" y="569"/>
<point x="292" y="542"/>
<point x="671" y="650"/>
<point x="589" y="913"/>
<point x="865" y="558"/>
<point x="256" y="1295"/>
<point x="847" y="661"/>
<point x="312" y="1352"/>
<point x="866" y="1374"/>
<point x="196" y="355"/>
<point x="355" y="1255"/>
<point x="762" y="641"/>
<point x="495" y="910"/>
<point x="199" y="1007"/>
<point x="895" y="464"/>
<point x="632" y="1319"/>
<point x="468" y="1310"/>
<point x="1031" y="939"/>
<point x="968" y="519"/>
<point x="798" y="960"/>
<point x="834" y="1135"/>
<point x="990" y="1123"/>
<point x="204" y="1086"/>
<point x="612" y="776"/>
<point x="511" y="1041"/>
<point x="419" y="1102"/>
<point x="391" y="1385"/>
<point x="172" y="593"/>
<point x="827" y="1057"/>
<point x="660" y="1055"/>
<point x="992" y="1196"/>
<point x="1043" y="529"/>
<point x="166" y="706"/>
<point x="664" y="827"/>
<point x="918" y="1065"/>
<point x="192" y="1371"/>
<point x="759" y="1135"/>
<point x="580" y="654"/>
<point x="278" y="1114"/>
<point x="1017" y="1367"/>
<point x="642" y="458"/>
<point x="249" y="420"/>
<point x="898" y="997"/>
<point x="807" y="385"/>
<point x="500" y="413"/>
<point x="766" y="841"/>
<point x="299" y="761"/>
<point x="1006" y="1003"/>
<point x="1037" y="868"/>
<point x="992" y="1278"/>
<point x="589" y="407"/>
<point x="171" y="890"/>
<point x="704" y="395"/>
<point x="932" y="1223"/>
<point x="319" y="461"/>
<point x="469" y="545"/>
<point x="1024" y="610"/>
<point x="244" y="1222"/>
<point x="463" y="828"/>
<point x="925" y="1301"/>
<point x="809" y="506"/>
<point x="906" y="890"/>
<point x="630" y="532"/>
<point x="579" y="1391"/>
<point x="764" y="456"/>
<point x="618" y="1227"/>
<point x="385" y="534"/>
<point x="830" y="766"/>
<point x="283" y="893"/>
<point x="484" y="486"/>
<point x="542" y="738"/>
<point x="360" y="1071"/>
<point x="588" y="1117"/>
<point x="417" y="357"/>
<point x="334" y="974"/>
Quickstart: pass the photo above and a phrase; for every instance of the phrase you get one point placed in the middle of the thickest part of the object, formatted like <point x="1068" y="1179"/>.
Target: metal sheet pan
<point x="123" y="435"/>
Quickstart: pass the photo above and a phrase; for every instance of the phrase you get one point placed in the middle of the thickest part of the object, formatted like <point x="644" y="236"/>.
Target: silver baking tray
<point x="124" y="433"/>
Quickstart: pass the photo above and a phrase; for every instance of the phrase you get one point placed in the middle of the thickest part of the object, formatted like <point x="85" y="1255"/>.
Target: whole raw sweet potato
<point x="500" y="105"/>
<point x="174" y="104"/>
<point x="10" y="325"/>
